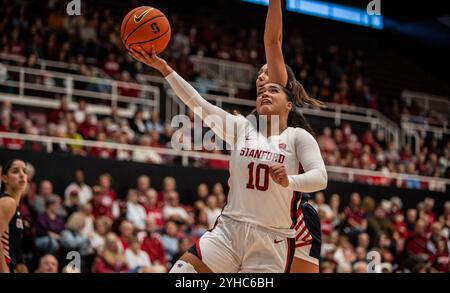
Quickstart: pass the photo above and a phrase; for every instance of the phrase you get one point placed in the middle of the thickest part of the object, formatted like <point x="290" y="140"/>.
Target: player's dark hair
<point x="5" y="170"/>
<point x="296" y="94"/>
<point x="299" y="97"/>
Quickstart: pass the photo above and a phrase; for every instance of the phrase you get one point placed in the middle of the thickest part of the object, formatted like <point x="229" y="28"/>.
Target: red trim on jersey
<point x="299" y="213"/>
<point x="294" y="203"/>
<point x="293" y="208"/>
<point x="303" y="244"/>
<point x="299" y="223"/>
<point x="306" y="236"/>
<point x="301" y="232"/>
<point x="288" y="259"/>
<point x="197" y="248"/>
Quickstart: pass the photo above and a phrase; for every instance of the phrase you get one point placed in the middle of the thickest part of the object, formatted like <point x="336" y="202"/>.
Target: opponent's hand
<point x="279" y="175"/>
<point x="152" y="60"/>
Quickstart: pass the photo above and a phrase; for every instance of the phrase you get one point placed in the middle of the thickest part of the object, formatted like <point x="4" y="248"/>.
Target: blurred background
<point x="95" y="128"/>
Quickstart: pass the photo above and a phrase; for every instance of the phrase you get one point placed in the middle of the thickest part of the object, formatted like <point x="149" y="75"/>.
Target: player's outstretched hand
<point x="152" y="60"/>
<point x="279" y="175"/>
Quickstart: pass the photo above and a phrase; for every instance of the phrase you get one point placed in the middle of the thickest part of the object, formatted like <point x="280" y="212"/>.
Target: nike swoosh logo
<point x="140" y="17"/>
<point x="278" y="241"/>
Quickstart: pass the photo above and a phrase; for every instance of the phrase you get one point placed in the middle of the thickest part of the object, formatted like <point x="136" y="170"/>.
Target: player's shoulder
<point x="7" y="205"/>
<point x="300" y="133"/>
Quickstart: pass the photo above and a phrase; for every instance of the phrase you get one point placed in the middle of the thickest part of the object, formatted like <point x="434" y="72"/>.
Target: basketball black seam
<point x="126" y="23"/>
<point x="151" y="39"/>
<point x="140" y="26"/>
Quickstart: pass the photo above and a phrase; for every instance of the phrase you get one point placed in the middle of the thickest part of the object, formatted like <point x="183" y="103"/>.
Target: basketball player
<point x="14" y="183"/>
<point x="256" y="230"/>
<point x="308" y="232"/>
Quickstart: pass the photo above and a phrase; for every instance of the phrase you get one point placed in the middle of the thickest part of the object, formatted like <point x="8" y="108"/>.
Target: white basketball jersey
<point x="254" y="197"/>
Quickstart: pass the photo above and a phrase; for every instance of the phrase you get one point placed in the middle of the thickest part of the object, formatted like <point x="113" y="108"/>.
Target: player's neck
<point x="14" y="194"/>
<point x="277" y="131"/>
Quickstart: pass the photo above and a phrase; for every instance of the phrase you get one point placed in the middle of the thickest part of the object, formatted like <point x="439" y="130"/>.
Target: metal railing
<point x="50" y="64"/>
<point x="334" y="172"/>
<point x="428" y="102"/>
<point x="45" y="84"/>
<point x="240" y="75"/>
<point x="49" y="142"/>
<point x="387" y="179"/>
<point x="229" y="91"/>
<point x="333" y="111"/>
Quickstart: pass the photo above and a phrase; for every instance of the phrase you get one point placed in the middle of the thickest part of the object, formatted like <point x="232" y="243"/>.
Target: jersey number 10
<point x="255" y="181"/>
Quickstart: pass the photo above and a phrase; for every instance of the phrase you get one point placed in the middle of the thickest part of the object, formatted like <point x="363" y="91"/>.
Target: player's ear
<point x="4" y="179"/>
<point x="289" y="105"/>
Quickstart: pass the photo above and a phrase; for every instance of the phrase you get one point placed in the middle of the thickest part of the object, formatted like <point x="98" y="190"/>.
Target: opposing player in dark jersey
<point x="14" y="183"/>
<point x="308" y="231"/>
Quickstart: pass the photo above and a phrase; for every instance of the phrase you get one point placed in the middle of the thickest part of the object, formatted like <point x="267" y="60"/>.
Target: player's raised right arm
<point x="190" y="97"/>
<point x="273" y="40"/>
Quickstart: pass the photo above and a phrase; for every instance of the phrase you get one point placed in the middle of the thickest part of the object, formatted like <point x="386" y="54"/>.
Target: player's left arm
<point x="273" y="41"/>
<point x="315" y="176"/>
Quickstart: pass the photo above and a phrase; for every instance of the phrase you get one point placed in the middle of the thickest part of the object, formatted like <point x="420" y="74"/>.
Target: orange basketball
<point x="145" y="26"/>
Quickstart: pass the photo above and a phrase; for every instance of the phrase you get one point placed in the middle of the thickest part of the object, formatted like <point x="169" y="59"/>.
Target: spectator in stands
<point x="335" y="202"/>
<point x="45" y="193"/>
<point x="153" y="208"/>
<point x="126" y="231"/>
<point x="127" y="87"/>
<point x="89" y="218"/>
<point x="143" y="185"/>
<point x="72" y="238"/>
<point x="172" y="209"/>
<point x="155" y="139"/>
<point x="218" y="191"/>
<point x="83" y="191"/>
<point x="72" y="133"/>
<point x="138" y="124"/>
<point x="60" y="147"/>
<point x="48" y="264"/>
<point x="49" y="226"/>
<point x="89" y="128"/>
<point x="202" y="195"/>
<point x="152" y="243"/>
<point x="326" y="142"/>
<point x="378" y="224"/>
<point x="416" y="243"/>
<point x="58" y="115"/>
<point x="166" y="136"/>
<point x="146" y="155"/>
<point x="154" y="123"/>
<point x="101" y="203"/>
<point x="123" y="154"/>
<point x="169" y="184"/>
<point x="105" y="184"/>
<point x="170" y="241"/>
<point x="135" y="211"/>
<point x="354" y="217"/>
<point x="411" y="218"/>
<point x="319" y="203"/>
<point x="212" y="210"/>
<point x="105" y="153"/>
<point x="81" y="112"/>
<point x="137" y="260"/>
<point x="440" y="259"/>
<point x="112" y="258"/>
<point x="360" y="267"/>
<point x="429" y="205"/>
<point x="102" y="226"/>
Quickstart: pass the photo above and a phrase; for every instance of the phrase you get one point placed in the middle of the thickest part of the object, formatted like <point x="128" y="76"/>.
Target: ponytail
<point x="300" y="98"/>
